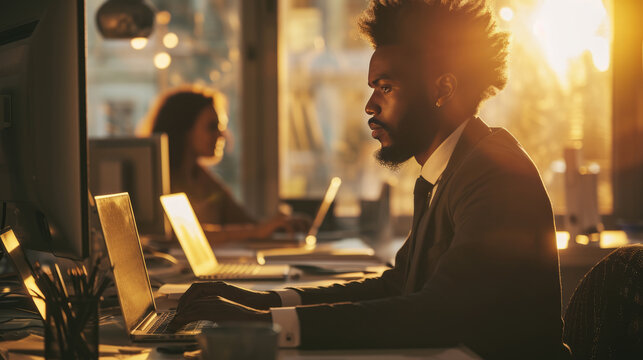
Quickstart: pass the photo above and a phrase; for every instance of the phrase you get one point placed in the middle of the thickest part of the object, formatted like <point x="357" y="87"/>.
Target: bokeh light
<point x="138" y="43"/>
<point x="162" y="60"/>
<point x="170" y="40"/>
<point x="163" y="17"/>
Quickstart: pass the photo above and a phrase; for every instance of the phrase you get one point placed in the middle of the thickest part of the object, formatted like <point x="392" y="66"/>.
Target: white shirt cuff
<point x="287" y="319"/>
<point x="289" y="297"/>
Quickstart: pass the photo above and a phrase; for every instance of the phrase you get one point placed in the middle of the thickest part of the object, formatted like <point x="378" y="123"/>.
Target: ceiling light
<point x="125" y="19"/>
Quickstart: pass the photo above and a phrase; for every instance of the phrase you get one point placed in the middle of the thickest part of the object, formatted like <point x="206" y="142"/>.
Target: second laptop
<point x="199" y="253"/>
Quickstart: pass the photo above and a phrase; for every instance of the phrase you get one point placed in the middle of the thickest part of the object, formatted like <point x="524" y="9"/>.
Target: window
<point x="558" y="96"/>
<point x="194" y="42"/>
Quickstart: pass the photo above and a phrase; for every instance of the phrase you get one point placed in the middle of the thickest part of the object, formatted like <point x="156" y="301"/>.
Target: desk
<point x="114" y="335"/>
<point x="113" y="332"/>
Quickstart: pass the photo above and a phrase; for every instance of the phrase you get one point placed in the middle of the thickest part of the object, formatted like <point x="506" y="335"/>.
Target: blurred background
<point x="295" y="74"/>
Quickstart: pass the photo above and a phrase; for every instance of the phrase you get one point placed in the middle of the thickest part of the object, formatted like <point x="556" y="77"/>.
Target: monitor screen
<point x="138" y="166"/>
<point x="43" y="136"/>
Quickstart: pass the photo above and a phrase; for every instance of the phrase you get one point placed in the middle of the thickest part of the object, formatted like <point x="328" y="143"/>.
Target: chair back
<point x="604" y="317"/>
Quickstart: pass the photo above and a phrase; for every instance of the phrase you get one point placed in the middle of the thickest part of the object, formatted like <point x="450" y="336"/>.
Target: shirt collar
<point x="437" y="162"/>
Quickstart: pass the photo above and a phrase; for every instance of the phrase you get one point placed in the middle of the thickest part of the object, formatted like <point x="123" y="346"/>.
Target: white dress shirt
<point x="286" y="316"/>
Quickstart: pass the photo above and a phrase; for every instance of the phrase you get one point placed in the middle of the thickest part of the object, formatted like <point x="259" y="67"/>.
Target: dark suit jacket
<point x="484" y="273"/>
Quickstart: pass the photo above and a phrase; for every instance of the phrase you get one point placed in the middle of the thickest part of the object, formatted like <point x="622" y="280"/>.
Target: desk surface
<point x="113" y="337"/>
<point x="149" y="352"/>
<point x="112" y="332"/>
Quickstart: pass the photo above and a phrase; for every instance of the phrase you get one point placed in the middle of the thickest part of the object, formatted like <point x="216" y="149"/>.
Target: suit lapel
<point x="475" y="131"/>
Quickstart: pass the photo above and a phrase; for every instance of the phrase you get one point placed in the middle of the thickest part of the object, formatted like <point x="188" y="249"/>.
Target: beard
<point x="393" y="156"/>
<point x="408" y="139"/>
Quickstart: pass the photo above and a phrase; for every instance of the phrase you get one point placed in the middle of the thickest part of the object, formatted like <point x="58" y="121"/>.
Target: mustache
<point x="379" y="123"/>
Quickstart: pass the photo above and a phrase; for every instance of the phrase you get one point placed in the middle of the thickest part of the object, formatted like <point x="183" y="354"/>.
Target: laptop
<point x="19" y="260"/>
<point x="199" y="252"/>
<point x="310" y="238"/>
<point x="142" y="320"/>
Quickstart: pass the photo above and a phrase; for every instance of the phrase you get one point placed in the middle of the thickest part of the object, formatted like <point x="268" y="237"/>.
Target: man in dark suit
<point x="480" y="266"/>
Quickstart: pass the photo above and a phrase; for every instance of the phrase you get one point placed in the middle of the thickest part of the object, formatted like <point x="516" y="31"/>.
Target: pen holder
<point x="71" y="328"/>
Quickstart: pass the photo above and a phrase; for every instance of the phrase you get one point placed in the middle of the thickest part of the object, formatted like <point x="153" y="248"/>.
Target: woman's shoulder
<point x="202" y="181"/>
<point x="209" y="179"/>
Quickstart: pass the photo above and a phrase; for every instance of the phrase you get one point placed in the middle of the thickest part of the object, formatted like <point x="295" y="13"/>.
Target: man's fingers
<point x="187" y="297"/>
<point x="178" y="322"/>
<point x="204" y="304"/>
<point x="205" y="308"/>
<point x="199" y="290"/>
<point x="191" y="312"/>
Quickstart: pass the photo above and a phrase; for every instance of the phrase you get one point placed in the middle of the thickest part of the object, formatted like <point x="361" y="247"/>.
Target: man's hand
<point x="261" y="300"/>
<point x="217" y="309"/>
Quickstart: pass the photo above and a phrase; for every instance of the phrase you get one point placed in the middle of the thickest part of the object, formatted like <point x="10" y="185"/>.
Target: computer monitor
<point x="43" y="136"/>
<point x="138" y="166"/>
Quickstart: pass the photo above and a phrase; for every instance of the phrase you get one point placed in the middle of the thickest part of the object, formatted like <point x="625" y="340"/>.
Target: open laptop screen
<point x="126" y="257"/>
<point x="19" y="260"/>
<point x="329" y="197"/>
<point x="190" y="234"/>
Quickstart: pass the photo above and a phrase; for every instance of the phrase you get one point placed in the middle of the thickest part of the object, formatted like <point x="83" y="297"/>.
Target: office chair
<point x="604" y="317"/>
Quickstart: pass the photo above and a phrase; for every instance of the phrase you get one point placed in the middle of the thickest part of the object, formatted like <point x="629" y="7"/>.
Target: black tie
<point x="421" y="196"/>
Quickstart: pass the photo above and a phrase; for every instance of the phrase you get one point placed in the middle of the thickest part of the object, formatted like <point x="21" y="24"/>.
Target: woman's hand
<point x="289" y="224"/>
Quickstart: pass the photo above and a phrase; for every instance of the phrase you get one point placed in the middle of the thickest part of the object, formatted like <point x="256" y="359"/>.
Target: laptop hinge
<point x="147" y="321"/>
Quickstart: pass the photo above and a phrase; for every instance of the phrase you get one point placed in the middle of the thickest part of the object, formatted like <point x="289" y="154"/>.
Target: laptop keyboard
<point x="232" y="270"/>
<point x="164" y="319"/>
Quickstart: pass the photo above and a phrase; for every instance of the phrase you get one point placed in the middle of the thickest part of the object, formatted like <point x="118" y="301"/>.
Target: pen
<point x="61" y="282"/>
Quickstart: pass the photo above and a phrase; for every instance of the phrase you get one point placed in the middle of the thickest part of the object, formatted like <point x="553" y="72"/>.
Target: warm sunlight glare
<point x="600" y="49"/>
<point x="506" y="14"/>
<point x="566" y="29"/>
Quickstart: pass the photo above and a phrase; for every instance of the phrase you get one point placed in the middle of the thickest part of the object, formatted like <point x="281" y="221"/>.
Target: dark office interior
<point x="222" y="168"/>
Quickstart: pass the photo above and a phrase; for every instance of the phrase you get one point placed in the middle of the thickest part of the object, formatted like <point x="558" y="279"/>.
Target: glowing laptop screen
<point x="190" y="234"/>
<point x="126" y="256"/>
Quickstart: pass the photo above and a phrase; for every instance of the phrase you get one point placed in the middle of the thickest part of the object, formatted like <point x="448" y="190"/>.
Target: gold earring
<point x="438" y="103"/>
